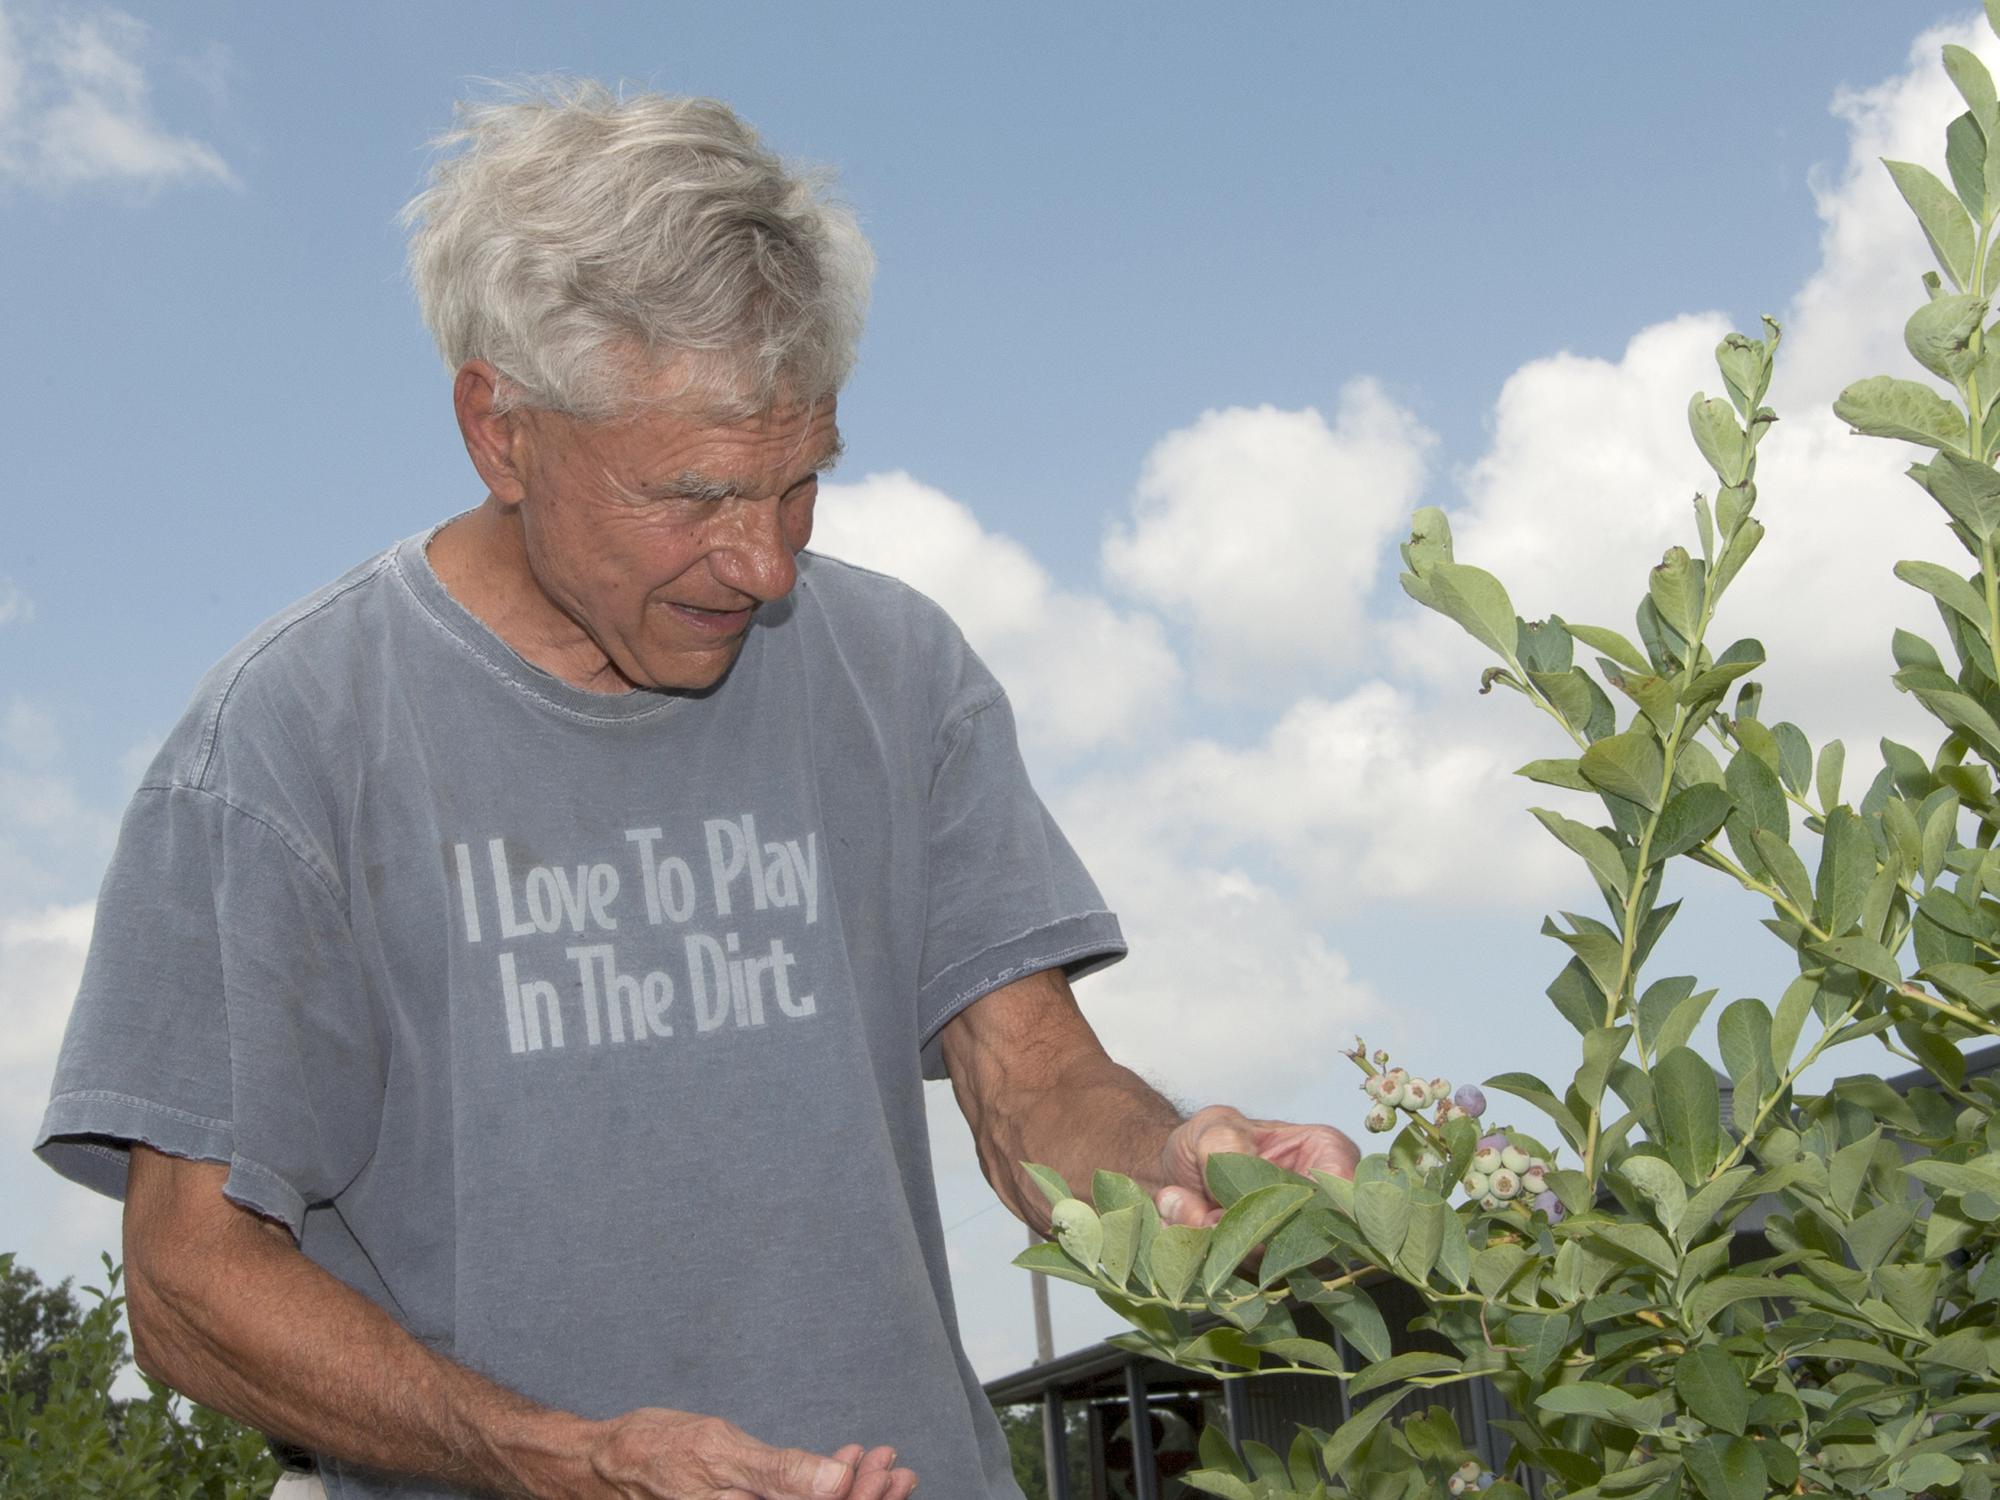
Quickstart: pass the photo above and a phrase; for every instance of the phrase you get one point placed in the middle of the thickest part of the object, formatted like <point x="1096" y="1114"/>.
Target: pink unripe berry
<point x="1505" y="1184"/>
<point x="1497" y="1140"/>
<point x="1380" y="1118"/>
<point x="1514" y="1159"/>
<point x="1486" y="1160"/>
<point x="1470" y="1099"/>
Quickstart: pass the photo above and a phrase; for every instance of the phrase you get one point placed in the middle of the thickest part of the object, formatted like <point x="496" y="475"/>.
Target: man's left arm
<point x="1036" y="1085"/>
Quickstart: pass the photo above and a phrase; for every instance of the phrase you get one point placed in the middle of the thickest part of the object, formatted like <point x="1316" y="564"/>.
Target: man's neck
<point x="481" y="558"/>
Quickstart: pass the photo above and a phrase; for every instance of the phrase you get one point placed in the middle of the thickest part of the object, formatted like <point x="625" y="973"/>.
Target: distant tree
<point x="62" y="1432"/>
<point x="1023" y="1426"/>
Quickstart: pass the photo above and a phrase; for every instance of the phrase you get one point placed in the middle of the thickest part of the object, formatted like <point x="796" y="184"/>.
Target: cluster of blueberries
<point x="1501" y="1173"/>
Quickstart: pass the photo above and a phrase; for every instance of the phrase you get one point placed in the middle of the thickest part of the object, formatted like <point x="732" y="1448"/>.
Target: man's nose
<point x="752" y="555"/>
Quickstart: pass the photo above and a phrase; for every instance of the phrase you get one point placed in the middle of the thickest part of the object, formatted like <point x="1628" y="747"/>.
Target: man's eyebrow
<point x="692" y="484"/>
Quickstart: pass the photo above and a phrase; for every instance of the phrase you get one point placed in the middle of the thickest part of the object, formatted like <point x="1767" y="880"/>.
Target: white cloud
<point x="1369" y="797"/>
<point x="1591" y="469"/>
<point x="28" y="731"/>
<point x="76" y="106"/>
<point x="14" y="605"/>
<point x="1080" y="673"/>
<point x="41" y="961"/>
<point x="1264" y="529"/>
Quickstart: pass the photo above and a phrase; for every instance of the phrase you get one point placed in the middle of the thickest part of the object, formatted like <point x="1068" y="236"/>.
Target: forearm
<point x="1093" y="1114"/>
<point x="1035" y="1085"/>
<point x="254" y="1329"/>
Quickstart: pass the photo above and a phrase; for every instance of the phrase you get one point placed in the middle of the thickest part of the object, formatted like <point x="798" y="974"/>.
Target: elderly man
<point x="511" y="997"/>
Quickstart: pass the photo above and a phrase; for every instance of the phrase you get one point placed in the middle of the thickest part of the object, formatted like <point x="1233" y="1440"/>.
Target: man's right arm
<point x="225" y="1309"/>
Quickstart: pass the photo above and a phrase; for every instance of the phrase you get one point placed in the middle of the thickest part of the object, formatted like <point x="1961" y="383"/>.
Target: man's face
<point x="659" y="535"/>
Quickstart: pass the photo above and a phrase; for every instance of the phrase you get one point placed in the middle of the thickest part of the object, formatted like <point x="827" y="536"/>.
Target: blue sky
<point x="1235" y="294"/>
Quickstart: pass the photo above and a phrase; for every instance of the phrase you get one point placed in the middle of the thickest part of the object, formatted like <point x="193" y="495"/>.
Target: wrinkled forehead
<point x="704" y="454"/>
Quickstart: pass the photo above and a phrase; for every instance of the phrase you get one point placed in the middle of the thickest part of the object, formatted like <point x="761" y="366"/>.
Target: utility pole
<point x="1055" y="1456"/>
<point x="1045" y="1343"/>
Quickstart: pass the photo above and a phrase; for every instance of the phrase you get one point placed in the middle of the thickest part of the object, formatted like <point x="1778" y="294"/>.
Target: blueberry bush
<point x="1790" y="1292"/>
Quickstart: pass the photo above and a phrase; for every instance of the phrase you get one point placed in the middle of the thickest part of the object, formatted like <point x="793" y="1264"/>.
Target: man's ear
<point x="495" y="441"/>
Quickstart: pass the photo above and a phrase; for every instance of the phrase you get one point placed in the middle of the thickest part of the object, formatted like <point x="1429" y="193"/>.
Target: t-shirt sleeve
<point x="1008" y="896"/>
<point x="222" y="1014"/>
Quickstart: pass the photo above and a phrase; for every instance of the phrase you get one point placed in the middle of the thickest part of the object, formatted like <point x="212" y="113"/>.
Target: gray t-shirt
<point x="587" y="1034"/>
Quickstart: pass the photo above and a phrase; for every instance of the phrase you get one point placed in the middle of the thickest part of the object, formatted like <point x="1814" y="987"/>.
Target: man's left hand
<point x="1297" y="1148"/>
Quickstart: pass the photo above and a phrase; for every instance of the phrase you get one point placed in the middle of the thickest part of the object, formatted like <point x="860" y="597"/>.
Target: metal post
<point x="1045" y="1343"/>
<point x="1055" y="1447"/>
<point x="1145" y="1468"/>
<point x="1236" y="1407"/>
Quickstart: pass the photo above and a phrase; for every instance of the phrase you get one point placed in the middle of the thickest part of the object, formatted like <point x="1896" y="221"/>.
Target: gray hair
<point x="581" y="242"/>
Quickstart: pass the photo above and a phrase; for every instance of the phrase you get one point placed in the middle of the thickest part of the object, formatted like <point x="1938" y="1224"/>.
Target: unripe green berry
<point x="1469" y="1471"/>
<point x="1490" y="1203"/>
<point x="1380" y="1118"/>
<point x="1456" y="1484"/>
<point x="1416" y="1094"/>
<point x="1428" y="1161"/>
<point x="1487" y="1160"/>
<point x="1505" y="1185"/>
<point x="1514" y="1159"/>
<point x="1440" y="1088"/>
<point x="1533" y="1182"/>
<point x="1475" y="1184"/>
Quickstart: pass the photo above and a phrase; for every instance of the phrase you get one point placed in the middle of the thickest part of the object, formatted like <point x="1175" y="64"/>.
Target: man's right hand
<point x="225" y="1309"/>
<point x="673" y="1455"/>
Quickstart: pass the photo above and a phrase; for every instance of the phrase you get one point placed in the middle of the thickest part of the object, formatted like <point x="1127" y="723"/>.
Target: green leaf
<point x="1354" y="1313"/>
<point x="1178" y="1252"/>
<point x="1602" y="1046"/>
<point x="1596" y="850"/>
<point x="1965" y="160"/>
<point x="1793" y="1008"/>
<point x="1744" y="1034"/>
<point x="1657" y="1182"/>
<point x="1939" y="333"/>
<point x="1382" y="1210"/>
<point x="1712" y="1388"/>
<point x="1048" y="1259"/>
<point x="1356" y="1430"/>
<point x="1245" y="1224"/>
<point x="1883" y="406"/>
<point x="1946" y="224"/>
<point x="1217" y="1482"/>
<point x="1477" y="601"/>
<point x="1726" y="1468"/>
<point x="1121" y="1243"/>
<point x="1527" y="1086"/>
<point x="1968" y="490"/>
<point x="1562" y="773"/>
<point x="1307" y="1238"/>
<point x="1940" y="823"/>
<point x="1612" y="644"/>
<point x="1400" y="1367"/>
<point x="1782" y="862"/>
<point x="1640" y="1242"/>
<point x="1692" y="816"/>
<point x="1846" y="866"/>
<point x="1863" y="955"/>
<point x="1231" y="1175"/>
<point x="1690" y="1109"/>
<point x="1736" y="554"/>
<point x="1723" y="443"/>
<point x="1676" y="584"/>
<point x="1759" y="803"/>
<point x="1948" y="588"/>
<point x="1975" y="86"/>
<point x="1050" y="1182"/>
<point x="1592" y="1398"/>
<point x="1794" y="757"/>
<point x="1626" y="765"/>
<point x="1832" y="759"/>
<point x="1429" y="542"/>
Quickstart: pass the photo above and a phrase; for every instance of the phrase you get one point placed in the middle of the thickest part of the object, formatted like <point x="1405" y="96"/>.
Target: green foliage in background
<point x="1646" y="1348"/>
<point x="1023" y="1427"/>
<point x="62" y="1434"/>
